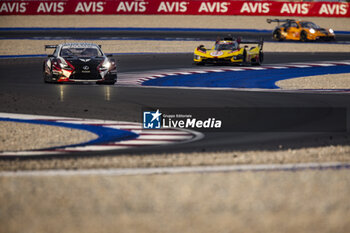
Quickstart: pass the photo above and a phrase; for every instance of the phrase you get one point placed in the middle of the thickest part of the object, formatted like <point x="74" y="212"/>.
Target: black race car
<point x="79" y="62"/>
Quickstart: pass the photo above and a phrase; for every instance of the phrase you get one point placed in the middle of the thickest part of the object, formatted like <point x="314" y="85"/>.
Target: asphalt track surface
<point x="153" y="34"/>
<point x="22" y="90"/>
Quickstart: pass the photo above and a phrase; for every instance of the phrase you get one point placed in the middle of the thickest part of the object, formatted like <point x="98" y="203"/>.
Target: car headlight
<point x="331" y="30"/>
<point x="64" y="64"/>
<point x="106" y="65"/>
<point x="312" y="31"/>
<point x="197" y="57"/>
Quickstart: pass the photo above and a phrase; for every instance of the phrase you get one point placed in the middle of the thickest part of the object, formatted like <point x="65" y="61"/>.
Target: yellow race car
<point x="230" y="51"/>
<point x="300" y="30"/>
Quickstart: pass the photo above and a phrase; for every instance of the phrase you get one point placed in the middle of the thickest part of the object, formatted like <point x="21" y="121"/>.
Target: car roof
<point x="226" y="42"/>
<point x="79" y="45"/>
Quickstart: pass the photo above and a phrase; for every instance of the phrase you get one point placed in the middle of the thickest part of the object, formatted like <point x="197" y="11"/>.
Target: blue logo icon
<point x="151" y="120"/>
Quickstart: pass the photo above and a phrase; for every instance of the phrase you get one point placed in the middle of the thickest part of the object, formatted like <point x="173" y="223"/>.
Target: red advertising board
<point x="174" y="7"/>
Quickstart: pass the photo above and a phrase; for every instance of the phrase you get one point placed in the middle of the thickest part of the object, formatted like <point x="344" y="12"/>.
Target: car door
<point x="293" y="31"/>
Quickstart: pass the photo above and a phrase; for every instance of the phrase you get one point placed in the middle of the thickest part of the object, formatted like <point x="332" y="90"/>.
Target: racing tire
<point x="244" y="57"/>
<point x="303" y="36"/>
<point x="47" y="78"/>
<point x="277" y="35"/>
<point x="44" y="74"/>
<point x="259" y="61"/>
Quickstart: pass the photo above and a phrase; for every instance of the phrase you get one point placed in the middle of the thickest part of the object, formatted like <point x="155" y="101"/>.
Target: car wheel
<point x="47" y="78"/>
<point x="303" y="36"/>
<point x="259" y="60"/>
<point x="244" y="56"/>
<point x="261" y="57"/>
<point x="277" y="35"/>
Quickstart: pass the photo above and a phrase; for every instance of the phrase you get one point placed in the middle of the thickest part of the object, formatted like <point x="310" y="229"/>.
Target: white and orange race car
<point x="300" y="30"/>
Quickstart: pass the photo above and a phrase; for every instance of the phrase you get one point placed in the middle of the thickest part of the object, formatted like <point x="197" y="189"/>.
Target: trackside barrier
<point x="174" y="7"/>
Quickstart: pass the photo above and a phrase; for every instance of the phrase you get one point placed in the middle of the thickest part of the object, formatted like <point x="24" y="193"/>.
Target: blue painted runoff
<point x="104" y="134"/>
<point x="244" y="79"/>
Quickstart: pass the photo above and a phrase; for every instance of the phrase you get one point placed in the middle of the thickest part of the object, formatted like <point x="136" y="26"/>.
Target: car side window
<point x="286" y="26"/>
<point x="294" y="24"/>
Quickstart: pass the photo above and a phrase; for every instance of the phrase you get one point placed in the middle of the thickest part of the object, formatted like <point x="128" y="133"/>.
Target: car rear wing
<point x="259" y="42"/>
<point x="55" y="46"/>
<point x="279" y="20"/>
<point x="50" y="47"/>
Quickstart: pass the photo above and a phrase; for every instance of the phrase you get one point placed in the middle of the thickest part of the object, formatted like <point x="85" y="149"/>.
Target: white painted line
<point x="159" y="76"/>
<point x="236" y="69"/>
<point x="317" y="64"/>
<point x="299" y="66"/>
<point x="217" y="71"/>
<point x="30" y="153"/>
<point x="96" y="148"/>
<point x="159" y="137"/>
<point x="142" y="142"/>
<point x="255" y="68"/>
<point x="138" y="129"/>
<point x="125" y="127"/>
<point x="199" y="72"/>
<point x="341" y="63"/>
<point x="157" y="132"/>
<point x="144" y="79"/>
<point x="278" y="67"/>
<point x="179" y="170"/>
<point x="95" y="122"/>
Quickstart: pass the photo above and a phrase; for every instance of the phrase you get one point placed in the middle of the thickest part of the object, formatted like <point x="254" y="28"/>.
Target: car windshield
<point x="80" y="52"/>
<point x="309" y="25"/>
<point x="225" y="46"/>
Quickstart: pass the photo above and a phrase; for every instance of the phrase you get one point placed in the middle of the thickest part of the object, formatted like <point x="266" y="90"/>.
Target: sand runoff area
<point x="166" y="21"/>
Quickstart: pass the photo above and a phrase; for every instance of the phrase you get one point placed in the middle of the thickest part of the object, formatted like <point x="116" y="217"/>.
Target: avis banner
<point x="174" y="7"/>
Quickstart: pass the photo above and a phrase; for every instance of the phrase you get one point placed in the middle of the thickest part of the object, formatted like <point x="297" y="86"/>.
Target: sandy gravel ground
<point x="23" y="136"/>
<point x="330" y="81"/>
<point x="245" y="22"/>
<point x="335" y="150"/>
<point x="18" y="47"/>
<point x="288" y="202"/>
